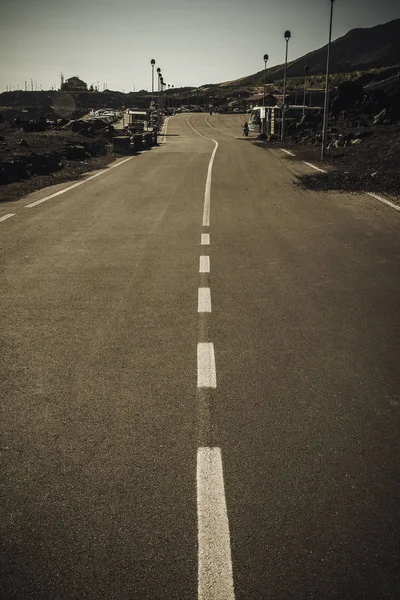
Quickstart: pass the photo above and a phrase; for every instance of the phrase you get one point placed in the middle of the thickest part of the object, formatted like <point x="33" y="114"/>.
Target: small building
<point x="74" y="84"/>
<point x="257" y="100"/>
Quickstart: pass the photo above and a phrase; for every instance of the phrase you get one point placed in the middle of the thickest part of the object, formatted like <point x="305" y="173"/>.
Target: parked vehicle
<point x="136" y="120"/>
<point x="273" y="116"/>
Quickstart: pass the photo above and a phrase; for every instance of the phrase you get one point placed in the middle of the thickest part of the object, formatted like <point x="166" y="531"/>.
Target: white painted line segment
<point x="207" y="193"/>
<point x="206" y="373"/>
<point x="395" y="206"/>
<point x="287" y="151"/>
<point x="226" y="132"/>
<point x="215" y="576"/>
<point x="71" y="187"/>
<point x="200" y="134"/>
<point x="205" y="239"/>
<point x="204" y="300"/>
<point x="164" y="130"/>
<point x="314" y="167"/>
<point x="4" y="217"/>
<point x="204" y="264"/>
<point x="120" y="163"/>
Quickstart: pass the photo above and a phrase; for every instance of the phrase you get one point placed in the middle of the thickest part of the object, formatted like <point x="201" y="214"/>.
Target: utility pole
<point x="152" y="62"/>
<point x="326" y="103"/>
<point x="287" y="36"/>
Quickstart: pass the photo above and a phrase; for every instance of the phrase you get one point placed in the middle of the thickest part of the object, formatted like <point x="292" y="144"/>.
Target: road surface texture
<point x="200" y="381"/>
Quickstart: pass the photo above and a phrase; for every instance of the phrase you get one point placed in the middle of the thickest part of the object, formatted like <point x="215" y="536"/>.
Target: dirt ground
<point x="372" y="164"/>
<point x="32" y="160"/>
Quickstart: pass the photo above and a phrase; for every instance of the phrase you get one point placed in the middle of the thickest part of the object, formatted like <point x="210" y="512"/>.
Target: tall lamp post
<point x="326" y="103"/>
<point x="152" y="62"/>
<point x="263" y="134"/>
<point x="158" y="88"/>
<point x="304" y="91"/>
<point x="265" y="75"/>
<point x="287" y="36"/>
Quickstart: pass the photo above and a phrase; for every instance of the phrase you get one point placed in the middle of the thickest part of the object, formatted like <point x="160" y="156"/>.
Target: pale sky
<point x="193" y="42"/>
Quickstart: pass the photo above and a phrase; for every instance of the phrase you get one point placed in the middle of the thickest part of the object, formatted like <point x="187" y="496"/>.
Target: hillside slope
<point x="359" y="49"/>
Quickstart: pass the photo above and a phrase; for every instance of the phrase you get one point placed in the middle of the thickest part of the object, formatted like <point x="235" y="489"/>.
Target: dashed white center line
<point x="395" y="206"/>
<point x="314" y="167"/>
<point x="4" y="217"/>
<point x="215" y="577"/>
<point x="287" y="151"/>
<point x="206" y="373"/>
<point x="204" y="264"/>
<point x="205" y="239"/>
<point x="204" y="300"/>
<point x="207" y="193"/>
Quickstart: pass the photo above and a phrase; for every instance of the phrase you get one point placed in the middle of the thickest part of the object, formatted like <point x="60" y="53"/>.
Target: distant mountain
<point x="360" y="49"/>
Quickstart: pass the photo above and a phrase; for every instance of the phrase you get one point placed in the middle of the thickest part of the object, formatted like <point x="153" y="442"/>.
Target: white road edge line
<point x="287" y="151"/>
<point x="215" y="576"/>
<point x="204" y="266"/>
<point x="207" y="193"/>
<point x="71" y="187"/>
<point x="206" y="373"/>
<point x="204" y="300"/>
<point x="164" y="133"/>
<point x="395" y="206"/>
<point x="205" y="239"/>
<point x="120" y="163"/>
<point x="314" y="167"/>
<point x="4" y="217"/>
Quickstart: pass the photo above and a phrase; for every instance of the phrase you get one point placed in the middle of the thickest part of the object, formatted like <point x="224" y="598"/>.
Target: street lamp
<point x="304" y="95"/>
<point x="287" y="36"/>
<point x="158" y="88"/>
<point x="326" y="103"/>
<point x="263" y="133"/>
<point x="152" y="62"/>
<point x="265" y="74"/>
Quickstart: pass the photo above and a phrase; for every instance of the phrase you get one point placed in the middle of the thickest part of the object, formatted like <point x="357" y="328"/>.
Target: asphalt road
<point x="161" y="442"/>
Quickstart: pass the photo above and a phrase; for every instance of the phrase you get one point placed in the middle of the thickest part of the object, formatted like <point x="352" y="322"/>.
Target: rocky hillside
<point x="359" y="50"/>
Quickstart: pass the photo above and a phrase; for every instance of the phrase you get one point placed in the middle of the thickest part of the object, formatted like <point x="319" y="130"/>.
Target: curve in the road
<point x="215" y="576"/>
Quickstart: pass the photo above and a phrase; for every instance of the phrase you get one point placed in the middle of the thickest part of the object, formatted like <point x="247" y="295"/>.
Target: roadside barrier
<point x="121" y="144"/>
<point x="148" y="139"/>
<point x="138" y="142"/>
<point x="124" y="144"/>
